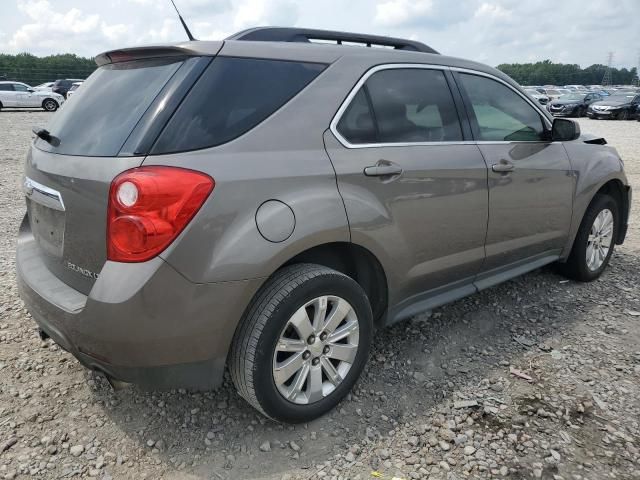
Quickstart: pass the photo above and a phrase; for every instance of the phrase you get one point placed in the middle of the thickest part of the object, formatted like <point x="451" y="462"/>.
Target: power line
<point x="606" y="80"/>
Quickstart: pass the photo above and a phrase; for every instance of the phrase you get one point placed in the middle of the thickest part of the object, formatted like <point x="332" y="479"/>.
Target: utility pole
<point x="606" y="80"/>
<point x="638" y="70"/>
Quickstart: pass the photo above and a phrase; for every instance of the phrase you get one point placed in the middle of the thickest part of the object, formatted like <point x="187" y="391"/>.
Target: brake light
<point x="149" y="207"/>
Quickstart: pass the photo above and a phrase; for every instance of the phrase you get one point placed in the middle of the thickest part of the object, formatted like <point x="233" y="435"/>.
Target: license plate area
<point x="47" y="226"/>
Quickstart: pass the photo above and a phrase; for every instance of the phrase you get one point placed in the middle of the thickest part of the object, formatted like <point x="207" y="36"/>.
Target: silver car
<point x="21" y="95"/>
<point x="265" y="203"/>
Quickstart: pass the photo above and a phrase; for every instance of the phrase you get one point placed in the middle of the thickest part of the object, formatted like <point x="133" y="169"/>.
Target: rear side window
<point x="357" y="124"/>
<point x="233" y="96"/>
<point x="6" y="87"/>
<point x="107" y="108"/>
<point x="411" y="105"/>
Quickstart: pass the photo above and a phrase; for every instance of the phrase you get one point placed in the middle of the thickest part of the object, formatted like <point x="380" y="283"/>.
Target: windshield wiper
<point x="46" y="136"/>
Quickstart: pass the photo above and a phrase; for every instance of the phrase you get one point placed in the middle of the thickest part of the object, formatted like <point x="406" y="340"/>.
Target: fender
<point x="593" y="166"/>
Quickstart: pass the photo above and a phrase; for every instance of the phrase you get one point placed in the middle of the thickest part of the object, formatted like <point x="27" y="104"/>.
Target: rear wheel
<point x="302" y="344"/>
<point x="595" y="241"/>
<point x="50" y="105"/>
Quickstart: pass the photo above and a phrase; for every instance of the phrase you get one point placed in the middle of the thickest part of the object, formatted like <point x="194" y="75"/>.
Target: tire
<point x="254" y="358"/>
<point x="50" y="105"/>
<point x="577" y="266"/>
<point x="623" y="115"/>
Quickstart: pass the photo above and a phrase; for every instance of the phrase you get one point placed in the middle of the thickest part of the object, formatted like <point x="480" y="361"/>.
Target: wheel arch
<point x="358" y="263"/>
<point x="49" y="98"/>
<point x="614" y="187"/>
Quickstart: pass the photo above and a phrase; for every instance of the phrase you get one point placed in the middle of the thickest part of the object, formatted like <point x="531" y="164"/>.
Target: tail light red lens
<point x="149" y="207"/>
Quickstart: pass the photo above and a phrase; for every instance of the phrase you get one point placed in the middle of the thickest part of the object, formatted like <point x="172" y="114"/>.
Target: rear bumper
<point x="141" y="323"/>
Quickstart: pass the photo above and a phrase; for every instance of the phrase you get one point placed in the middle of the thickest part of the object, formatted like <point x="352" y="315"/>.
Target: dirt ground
<point x="437" y="400"/>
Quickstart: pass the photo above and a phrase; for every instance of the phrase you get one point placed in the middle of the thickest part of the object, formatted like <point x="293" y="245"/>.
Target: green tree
<point x="548" y="73"/>
<point x="33" y="70"/>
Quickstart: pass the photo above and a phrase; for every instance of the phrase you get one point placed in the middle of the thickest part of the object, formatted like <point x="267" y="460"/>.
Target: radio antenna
<point x="186" y="29"/>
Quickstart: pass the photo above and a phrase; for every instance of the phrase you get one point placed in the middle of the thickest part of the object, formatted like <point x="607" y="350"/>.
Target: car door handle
<point x="503" y="167"/>
<point x="383" y="170"/>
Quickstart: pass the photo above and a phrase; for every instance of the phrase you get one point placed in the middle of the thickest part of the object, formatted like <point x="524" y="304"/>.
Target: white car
<point x="21" y="95"/>
<point x="73" y="89"/>
<point x="44" y="87"/>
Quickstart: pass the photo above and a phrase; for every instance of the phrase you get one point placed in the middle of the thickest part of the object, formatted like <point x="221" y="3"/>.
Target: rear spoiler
<point x="186" y="49"/>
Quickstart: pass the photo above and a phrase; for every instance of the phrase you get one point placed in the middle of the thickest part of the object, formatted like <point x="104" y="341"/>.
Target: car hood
<point x="610" y="103"/>
<point x="566" y="102"/>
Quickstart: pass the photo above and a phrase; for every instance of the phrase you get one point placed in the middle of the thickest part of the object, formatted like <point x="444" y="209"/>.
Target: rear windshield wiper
<point x="46" y="136"/>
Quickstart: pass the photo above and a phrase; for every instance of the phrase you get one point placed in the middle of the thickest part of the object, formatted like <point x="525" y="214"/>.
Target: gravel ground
<point x="441" y="398"/>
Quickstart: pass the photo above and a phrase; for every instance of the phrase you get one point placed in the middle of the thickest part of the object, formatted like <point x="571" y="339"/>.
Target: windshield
<point x="109" y="105"/>
<point x="531" y="91"/>
<point x="572" y="96"/>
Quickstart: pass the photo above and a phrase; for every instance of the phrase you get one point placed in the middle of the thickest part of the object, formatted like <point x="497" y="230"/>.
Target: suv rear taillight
<point x="149" y="207"/>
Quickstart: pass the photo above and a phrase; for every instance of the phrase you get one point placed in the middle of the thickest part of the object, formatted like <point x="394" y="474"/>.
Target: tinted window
<point x="6" y="87"/>
<point x="19" y="88"/>
<point x="233" y="96"/>
<point x="109" y="105"/>
<point x="356" y="124"/>
<point x="501" y="114"/>
<point x="413" y="105"/>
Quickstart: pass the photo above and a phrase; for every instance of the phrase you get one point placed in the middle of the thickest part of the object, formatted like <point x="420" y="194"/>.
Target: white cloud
<point x="399" y="12"/>
<point x="492" y="31"/>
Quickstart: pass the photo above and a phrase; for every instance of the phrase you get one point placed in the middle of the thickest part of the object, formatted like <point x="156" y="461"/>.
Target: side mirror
<point x="564" y="130"/>
<point x="30" y="90"/>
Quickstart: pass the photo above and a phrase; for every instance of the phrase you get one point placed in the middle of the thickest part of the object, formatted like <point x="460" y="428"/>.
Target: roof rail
<point x="308" y="35"/>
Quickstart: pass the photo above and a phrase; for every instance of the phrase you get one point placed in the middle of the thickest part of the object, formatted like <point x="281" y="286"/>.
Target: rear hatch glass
<point x="103" y="113"/>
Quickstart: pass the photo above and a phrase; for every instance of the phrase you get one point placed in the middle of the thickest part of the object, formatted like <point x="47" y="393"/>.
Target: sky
<point x="489" y="31"/>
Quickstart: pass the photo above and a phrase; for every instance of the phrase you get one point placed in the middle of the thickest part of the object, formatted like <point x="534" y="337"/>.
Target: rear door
<point x="414" y="190"/>
<point x="531" y="182"/>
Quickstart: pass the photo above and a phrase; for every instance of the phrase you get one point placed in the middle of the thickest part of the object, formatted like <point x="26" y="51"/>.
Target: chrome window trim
<point x="423" y="66"/>
<point x="347" y="101"/>
<point x="508" y="85"/>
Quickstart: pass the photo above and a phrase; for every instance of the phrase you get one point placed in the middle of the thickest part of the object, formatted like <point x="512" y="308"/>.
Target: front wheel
<point x="594" y="242"/>
<point x="623" y="115"/>
<point x="50" y="105"/>
<point x="302" y="344"/>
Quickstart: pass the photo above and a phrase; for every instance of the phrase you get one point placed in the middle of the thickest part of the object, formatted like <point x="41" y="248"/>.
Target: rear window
<point x="107" y="108"/>
<point x="233" y="96"/>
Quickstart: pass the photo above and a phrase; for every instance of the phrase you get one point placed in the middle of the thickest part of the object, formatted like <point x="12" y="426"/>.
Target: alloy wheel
<point x="600" y="239"/>
<point x="316" y="350"/>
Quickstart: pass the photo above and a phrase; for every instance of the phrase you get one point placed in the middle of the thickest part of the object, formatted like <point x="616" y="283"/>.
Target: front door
<point x="531" y="182"/>
<point x="414" y="191"/>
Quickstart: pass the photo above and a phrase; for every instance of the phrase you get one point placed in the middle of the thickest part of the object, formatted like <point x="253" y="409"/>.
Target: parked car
<point x="540" y="97"/>
<point x="269" y="204"/>
<point x="21" y="95"/>
<point x="572" y="104"/>
<point x="555" y="93"/>
<point x="616" y="106"/>
<point x="44" y="87"/>
<point x="73" y="88"/>
<point x="62" y="86"/>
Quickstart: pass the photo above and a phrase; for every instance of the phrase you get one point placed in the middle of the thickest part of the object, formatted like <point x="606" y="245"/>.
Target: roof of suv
<point x="288" y="46"/>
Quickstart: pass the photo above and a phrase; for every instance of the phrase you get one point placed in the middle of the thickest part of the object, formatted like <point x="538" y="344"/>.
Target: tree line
<point x="33" y="70"/>
<point x="549" y="73"/>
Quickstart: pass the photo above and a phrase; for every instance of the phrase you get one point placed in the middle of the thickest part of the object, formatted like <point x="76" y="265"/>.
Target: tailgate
<point x="67" y="210"/>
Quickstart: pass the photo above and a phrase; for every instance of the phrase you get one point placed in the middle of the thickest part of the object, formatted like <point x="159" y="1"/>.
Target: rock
<point x="464" y="404"/>
<point x="8" y="444"/>
<point x="350" y="457"/>
<point x="265" y="447"/>
<point x="76" y="450"/>
<point x="384" y="454"/>
<point x="294" y="446"/>
<point x="469" y="450"/>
